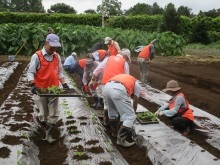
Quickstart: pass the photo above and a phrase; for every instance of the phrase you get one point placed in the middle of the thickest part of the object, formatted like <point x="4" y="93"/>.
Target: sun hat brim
<point x="172" y="89"/>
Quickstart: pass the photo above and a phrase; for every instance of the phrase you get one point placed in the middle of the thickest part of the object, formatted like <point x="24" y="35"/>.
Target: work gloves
<point x="34" y="89"/>
<point x="86" y="88"/>
<point x="95" y="85"/>
<point x="160" y="112"/>
<point x="65" y="86"/>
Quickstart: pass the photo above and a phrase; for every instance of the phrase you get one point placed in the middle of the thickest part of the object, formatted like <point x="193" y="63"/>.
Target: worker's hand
<point x="86" y="88"/>
<point x="161" y="113"/>
<point x="65" y="86"/>
<point x="34" y="89"/>
<point x="92" y="82"/>
<point x="157" y="112"/>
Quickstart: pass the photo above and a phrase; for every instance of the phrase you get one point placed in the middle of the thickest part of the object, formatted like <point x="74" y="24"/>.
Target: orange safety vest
<point x="82" y="63"/>
<point x="47" y="75"/>
<point x="102" y="54"/>
<point x="112" y="50"/>
<point x="185" y="112"/>
<point x="145" y="52"/>
<point x="114" y="66"/>
<point x="127" y="80"/>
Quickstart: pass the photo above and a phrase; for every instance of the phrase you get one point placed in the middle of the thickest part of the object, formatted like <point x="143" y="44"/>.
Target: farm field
<point x="198" y="75"/>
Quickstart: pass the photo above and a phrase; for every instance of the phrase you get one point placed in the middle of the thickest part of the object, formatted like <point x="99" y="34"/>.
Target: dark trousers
<point x="181" y="123"/>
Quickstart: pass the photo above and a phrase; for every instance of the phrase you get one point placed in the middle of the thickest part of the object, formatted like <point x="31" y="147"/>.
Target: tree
<point x="139" y="9"/>
<point x="156" y="9"/>
<point x="212" y="13"/>
<point x="90" y="11"/>
<point x="61" y="8"/>
<point x="110" y="7"/>
<point x="185" y="11"/>
<point x="26" y="6"/>
<point x="142" y="8"/>
<point x="171" y="19"/>
<point x="200" y="32"/>
<point x="4" y="5"/>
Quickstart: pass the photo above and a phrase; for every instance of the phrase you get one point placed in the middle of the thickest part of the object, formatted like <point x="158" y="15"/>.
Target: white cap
<point x="107" y="39"/>
<point x="138" y="48"/>
<point x="126" y="51"/>
<point x="74" y="54"/>
<point x="53" y="40"/>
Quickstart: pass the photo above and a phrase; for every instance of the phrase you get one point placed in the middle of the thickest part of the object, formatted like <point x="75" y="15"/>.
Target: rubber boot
<point x="40" y="123"/>
<point x="141" y="77"/>
<point x="49" y="130"/>
<point x="114" y="124"/>
<point x="123" y="133"/>
<point x="145" y="78"/>
<point x="105" y="118"/>
<point x="100" y="103"/>
<point x="96" y="101"/>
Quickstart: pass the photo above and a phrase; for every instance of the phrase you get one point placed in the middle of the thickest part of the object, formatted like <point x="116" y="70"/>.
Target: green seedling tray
<point x="65" y="93"/>
<point x="147" y="122"/>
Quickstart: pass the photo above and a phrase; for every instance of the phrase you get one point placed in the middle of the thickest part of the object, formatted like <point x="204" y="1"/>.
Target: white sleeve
<point x="100" y="67"/>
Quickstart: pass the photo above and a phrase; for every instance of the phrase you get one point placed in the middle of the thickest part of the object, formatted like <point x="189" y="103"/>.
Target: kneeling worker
<point x="177" y="110"/>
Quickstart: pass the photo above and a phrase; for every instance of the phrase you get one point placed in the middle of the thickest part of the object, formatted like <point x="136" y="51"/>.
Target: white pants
<point x="119" y="103"/>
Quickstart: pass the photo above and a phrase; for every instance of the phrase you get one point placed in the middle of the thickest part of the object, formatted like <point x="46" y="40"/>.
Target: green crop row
<point x="146" y="23"/>
<point x="81" y="38"/>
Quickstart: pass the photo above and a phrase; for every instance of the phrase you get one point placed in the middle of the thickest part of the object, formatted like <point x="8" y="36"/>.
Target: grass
<point x="200" y="49"/>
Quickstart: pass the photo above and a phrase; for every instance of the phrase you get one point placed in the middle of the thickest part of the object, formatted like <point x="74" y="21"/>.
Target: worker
<point x="177" y="110"/>
<point x="117" y="92"/>
<point x="113" y="46"/>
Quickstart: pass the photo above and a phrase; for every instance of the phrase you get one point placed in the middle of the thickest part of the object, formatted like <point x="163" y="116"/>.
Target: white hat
<point x="138" y="48"/>
<point x="53" y="40"/>
<point x="126" y="51"/>
<point x="74" y="54"/>
<point x="107" y="39"/>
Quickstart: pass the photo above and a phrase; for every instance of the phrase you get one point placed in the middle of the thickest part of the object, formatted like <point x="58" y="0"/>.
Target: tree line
<point x="107" y="7"/>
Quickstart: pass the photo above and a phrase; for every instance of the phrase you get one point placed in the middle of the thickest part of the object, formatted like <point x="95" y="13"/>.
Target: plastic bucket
<point x="11" y="58"/>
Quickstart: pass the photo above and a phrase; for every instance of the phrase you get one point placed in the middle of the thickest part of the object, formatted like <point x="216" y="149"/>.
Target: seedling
<point x="72" y="130"/>
<point x="68" y="113"/>
<point x="147" y="115"/>
<point x="55" y="90"/>
<point x="20" y="162"/>
<point x="79" y="153"/>
<point x="25" y="135"/>
<point x="18" y="153"/>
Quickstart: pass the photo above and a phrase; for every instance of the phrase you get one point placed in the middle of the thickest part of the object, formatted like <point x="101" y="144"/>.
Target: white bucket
<point x="11" y="58"/>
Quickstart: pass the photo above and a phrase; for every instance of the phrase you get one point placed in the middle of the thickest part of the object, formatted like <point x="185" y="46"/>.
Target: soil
<point x="198" y="75"/>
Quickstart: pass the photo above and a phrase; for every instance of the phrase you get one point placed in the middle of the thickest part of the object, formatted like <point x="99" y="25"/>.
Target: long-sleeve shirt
<point x="87" y="74"/>
<point x="179" y="103"/>
<point x="69" y="60"/>
<point x="102" y="65"/>
<point x="35" y="64"/>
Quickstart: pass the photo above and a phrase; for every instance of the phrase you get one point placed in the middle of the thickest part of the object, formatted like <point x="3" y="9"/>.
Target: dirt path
<point x="200" y="82"/>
